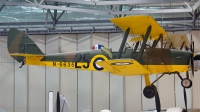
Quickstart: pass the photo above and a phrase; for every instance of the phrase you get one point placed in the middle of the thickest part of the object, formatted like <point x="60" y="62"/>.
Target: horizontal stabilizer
<point x="26" y="55"/>
<point x="124" y="67"/>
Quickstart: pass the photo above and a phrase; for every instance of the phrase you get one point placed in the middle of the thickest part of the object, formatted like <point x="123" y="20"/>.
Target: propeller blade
<point x="192" y="63"/>
<point x="157" y="100"/>
<point x="192" y="56"/>
<point x="185" y="98"/>
<point x="193" y="46"/>
<point x="58" y="102"/>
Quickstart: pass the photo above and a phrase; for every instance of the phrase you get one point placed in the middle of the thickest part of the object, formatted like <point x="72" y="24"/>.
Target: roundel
<point x="97" y="67"/>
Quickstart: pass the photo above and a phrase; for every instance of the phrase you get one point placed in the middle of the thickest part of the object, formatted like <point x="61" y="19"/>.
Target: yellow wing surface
<point x="139" y="24"/>
<point x="124" y="67"/>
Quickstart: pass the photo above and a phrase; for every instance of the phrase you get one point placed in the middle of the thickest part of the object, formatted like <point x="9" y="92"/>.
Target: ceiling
<point x="93" y="15"/>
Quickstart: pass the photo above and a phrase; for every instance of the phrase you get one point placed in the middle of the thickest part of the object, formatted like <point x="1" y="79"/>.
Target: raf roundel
<point x="97" y="67"/>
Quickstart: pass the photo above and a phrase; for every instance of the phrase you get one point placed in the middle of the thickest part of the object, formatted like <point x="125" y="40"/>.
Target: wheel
<point x="186" y="83"/>
<point x="150" y="91"/>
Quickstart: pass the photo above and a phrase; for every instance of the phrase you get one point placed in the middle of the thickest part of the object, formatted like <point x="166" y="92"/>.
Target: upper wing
<point x="124" y="67"/>
<point x="176" y="40"/>
<point x="140" y="38"/>
<point x="139" y="24"/>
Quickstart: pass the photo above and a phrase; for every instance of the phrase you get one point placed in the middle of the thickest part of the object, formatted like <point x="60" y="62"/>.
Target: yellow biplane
<point x="149" y="59"/>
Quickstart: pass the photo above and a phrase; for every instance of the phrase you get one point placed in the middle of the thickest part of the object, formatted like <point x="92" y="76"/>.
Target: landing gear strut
<point x="150" y="91"/>
<point x="186" y="83"/>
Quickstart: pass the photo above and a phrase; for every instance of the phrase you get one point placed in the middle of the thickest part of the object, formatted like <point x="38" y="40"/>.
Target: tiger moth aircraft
<point x="141" y="59"/>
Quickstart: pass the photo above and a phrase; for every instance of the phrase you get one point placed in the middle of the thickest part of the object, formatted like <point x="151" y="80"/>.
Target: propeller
<point x="157" y="100"/>
<point x="185" y="98"/>
<point x="192" y="56"/>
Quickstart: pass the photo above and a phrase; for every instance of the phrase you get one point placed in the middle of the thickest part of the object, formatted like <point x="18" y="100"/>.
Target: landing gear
<point x="186" y="83"/>
<point x="150" y="91"/>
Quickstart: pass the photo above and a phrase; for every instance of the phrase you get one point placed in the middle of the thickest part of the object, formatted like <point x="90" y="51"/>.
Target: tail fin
<point x="20" y="43"/>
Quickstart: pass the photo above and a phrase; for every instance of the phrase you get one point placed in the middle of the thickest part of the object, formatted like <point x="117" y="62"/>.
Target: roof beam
<point x="61" y="13"/>
<point x="55" y="14"/>
<point x="60" y="16"/>
<point x="196" y="5"/>
<point x="88" y="21"/>
<point x="74" y="1"/>
<point x="151" y="11"/>
<point x="41" y="2"/>
<point x="2" y="7"/>
<point x="98" y="11"/>
<point x="49" y="11"/>
<point x="36" y="2"/>
<point x="114" y="7"/>
<point x="197" y="14"/>
<point x="188" y="5"/>
<point x="53" y="7"/>
<point x="119" y="2"/>
<point x="55" y="11"/>
<point x="130" y="10"/>
<point x="190" y="14"/>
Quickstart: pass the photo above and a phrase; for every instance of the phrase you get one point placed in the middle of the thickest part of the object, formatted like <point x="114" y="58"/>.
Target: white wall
<point x="36" y="81"/>
<point x="68" y="77"/>
<point x="84" y="77"/>
<point x="7" y="77"/>
<point x="52" y="75"/>
<point x="100" y="80"/>
<point x="196" y="79"/>
<point x="85" y="90"/>
<point x="116" y="82"/>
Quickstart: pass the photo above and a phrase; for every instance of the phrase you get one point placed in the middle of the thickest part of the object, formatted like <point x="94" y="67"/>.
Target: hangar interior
<point x="66" y="25"/>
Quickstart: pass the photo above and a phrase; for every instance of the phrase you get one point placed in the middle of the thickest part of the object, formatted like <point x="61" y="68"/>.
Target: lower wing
<point x="124" y="67"/>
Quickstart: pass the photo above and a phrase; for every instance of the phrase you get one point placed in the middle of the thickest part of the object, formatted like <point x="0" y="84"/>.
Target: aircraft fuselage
<point x="156" y="60"/>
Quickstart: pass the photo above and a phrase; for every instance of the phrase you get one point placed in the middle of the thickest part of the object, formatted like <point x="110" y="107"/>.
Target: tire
<point x="149" y="91"/>
<point x="186" y="83"/>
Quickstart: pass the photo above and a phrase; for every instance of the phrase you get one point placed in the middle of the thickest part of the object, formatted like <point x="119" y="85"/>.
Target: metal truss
<point x="92" y="30"/>
<point x="86" y="21"/>
<point x="46" y="29"/>
<point x="106" y="12"/>
<point x="70" y="31"/>
<point x="193" y="10"/>
<point x="122" y="2"/>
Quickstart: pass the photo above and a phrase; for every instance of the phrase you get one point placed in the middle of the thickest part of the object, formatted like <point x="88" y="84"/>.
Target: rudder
<point x="18" y="42"/>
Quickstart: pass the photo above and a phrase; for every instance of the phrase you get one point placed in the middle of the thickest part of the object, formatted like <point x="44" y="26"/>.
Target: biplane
<point x="142" y="59"/>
